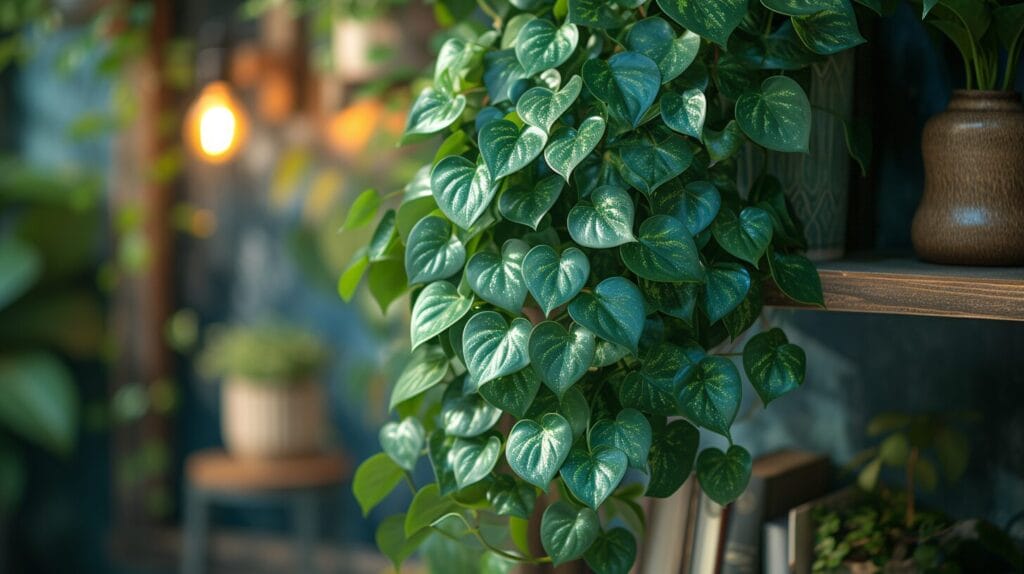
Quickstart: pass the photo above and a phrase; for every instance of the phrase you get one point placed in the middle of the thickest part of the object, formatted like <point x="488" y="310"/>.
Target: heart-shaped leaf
<point x="433" y="111"/>
<point x="573" y="406"/>
<point x="724" y="475"/>
<point x="462" y="190"/>
<point x="607" y="222"/>
<point x="566" y="533"/>
<point x="797" y="277"/>
<point x="592" y="474"/>
<point x="438" y="446"/>
<point x="696" y="204"/>
<point x="745" y="237"/>
<point x="528" y="206"/>
<point x="711" y="19"/>
<point x="627" y="83"/>
<point x="493" y="347"/>
<point x="465" y="414"/>
<point x="607" y="353"/>
<point x="673" y="452"/>
<point x="438" y="307"/>
<point x="773" y="364"/>
<point x="426" y="368"/>
<point x="541" y="44"/>
<point x="614" y="312"/>
<point x="673" y="299"/>
<point x="630" y="432"/>
<point x="513" y="393"/>
<point x="778" y="116"/>
<point x="654" y="37"/>
<point x="831" y="30"/>
<point x="652" y="388"/>
<point x="390" y="538"/>
<point x="598" y="14"/>
<point x="664" y="251"/>
<point x="685" y="112"/>
<point x="648" y="160"/>
<point x="428" y="505"/>
<point x="374" y="480"/>
<point x="722" y="145"/>
<point x="510" y="497"/>
<point x="506" y="149"/>
<point x="541" y="107"/>
<point x="726" y="286"/>
<point x="709" y="393"/>
<point x="499" y="279"/>
<point x="570" y="146"/>
<point x="535" y="450"/>
<point x="554" y="280"/>
<point x="561" y="357"/>
<point x="432" y="251"/>
<point x="501" y="71"/>
<point x="472" y="459"/>
<point x="403" y="441"/>
<point x="614" y="552"/>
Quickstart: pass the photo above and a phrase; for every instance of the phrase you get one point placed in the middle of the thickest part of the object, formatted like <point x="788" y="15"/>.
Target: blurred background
<point x="173" y="178"/>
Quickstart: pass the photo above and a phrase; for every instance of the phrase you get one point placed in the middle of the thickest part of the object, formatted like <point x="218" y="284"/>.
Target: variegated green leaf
<point x="493" y="347"/>
<point x="709" y="393"/>
<point x="541" y="44"/>
<point x="696" y="204"/>
<point x="465" y="414"/>
<point x="745" y="236"/>
<point x="627" y="83"/>
<point x="513" y="393"/>
<point x="566" y="533"/>
<point x="426" y="368"/>
<point x="777" y="116"/>
<point x="649" y="159"/>
<point x="614" y="552"/>
<point x="724" y="475"/>
<point x="725" y="288"/>
<point x="592" y="474"/>
<point x="664" y="251"/>
<point x="462" y="190"/>
<point x="498" y="279"/>
<point x="472" y="459"/>
<point x="561" y="357"/>
<point x="654" y="37"/>
<point x="773" y="364"/>
<point x="403" y="441"/>
<point x="606" y="222"/>
<point x="685" y="112"/>
<point x="433" y="111"/>
<point x="570" y="146"/>
<point x="673" y="452"/>
<point x="652" y="388"/>
<point x="433" y="251"/>
<point x="529" y="205"/>
<point x="438" y="307"/>
<point x="711" y="19"/>
<point x="555" y="279"/>
<point x="506" y="149"/>
<point x="630" y="432"/>
<point x="614" y="311"/>
<point x="535" y="450"/>
<point x="541" y="107"/>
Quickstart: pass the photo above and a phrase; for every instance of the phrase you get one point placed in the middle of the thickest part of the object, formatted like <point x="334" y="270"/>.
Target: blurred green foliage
<point x="269" y="353"/>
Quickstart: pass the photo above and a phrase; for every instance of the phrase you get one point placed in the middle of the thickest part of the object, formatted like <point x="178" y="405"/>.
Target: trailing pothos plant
<point x="577" y="253"/>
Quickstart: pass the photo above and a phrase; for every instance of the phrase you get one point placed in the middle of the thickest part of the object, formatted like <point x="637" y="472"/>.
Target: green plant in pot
<point x="972" y="209"/>
<point x="272" y="403"/>
<point x="579" y="255"/>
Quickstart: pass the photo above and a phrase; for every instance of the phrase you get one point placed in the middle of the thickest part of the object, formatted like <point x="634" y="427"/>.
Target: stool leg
<point x="307" y="519"/>
<point x="197" y="526"/>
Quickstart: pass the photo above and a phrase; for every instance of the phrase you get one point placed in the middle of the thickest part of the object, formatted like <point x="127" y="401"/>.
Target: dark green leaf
<point x="652" y="389"/>
<point x="796" y="7"/>
<point x="561" y="357"/>
<point x="465" y="414"/>
<point x="593" y="14"/>
<point x="614" y="552"/>
<point x="391" y="539"/>
<point x="528" y="206"/>
<point x="566" y="533"/>
<point x="39" y="400"/>
<point x="403" y="441"/>
<point x="438" y="446"/>
<point x="507" y="149"/>
<point x="426" y="368"/>
<point x="570" y="146"/>
<point x="711" y="19"/>
<point x="710" y="392"/>
<point x="509" y="497"/>
<point x="541" y="45"/>
<point x="648" y="160"/>
<point x="501" y="71"/>
<point x="673" y="452"/>
<point x="607" y="222"/>
<point x="724" y="475"/>
<point x="627" y="83"/>
<point x="592" y="474"/>
<point x="462" y="190"/>
<point x="773" y="364"/>
<point x="20" y="267"/>
<point x="685" y="112"/>
<point x="831" y="30"/>
<point x="743" y="317"/>
<point x="797" y="277"/>
<point x="630" y="432"/>
<point x="374" y="480"/>
<point x="726" y="287"/>
<point x="745" y="237"/>
<point x="664" y="251"/>
<point x="513" y="393"/>
<point x="654" y="37"/>
<point x="673" y="299"/>
<point x="696" y="204"/>
<point x="722" y="145"/>
<point x="778" y="116"/>
<point x="499" y="279"/>
<point x="554" y="280"/>
<point x="387" y="282"/>
<point x="493" y="347"/>
<point x="614" y="312"/>
<point x="535" y="450"/>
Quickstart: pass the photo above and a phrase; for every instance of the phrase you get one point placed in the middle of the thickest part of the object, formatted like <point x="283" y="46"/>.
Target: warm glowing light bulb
<point x="216" y="124"/>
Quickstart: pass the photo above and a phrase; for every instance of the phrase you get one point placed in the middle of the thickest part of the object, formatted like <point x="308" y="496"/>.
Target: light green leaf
<point x="566" y="533"/>
<point x="724" y="475"/>
<point x="493" y="347"/>
<point x="561" y="357"/>
<point x="374" y="480"/>
<point x="554" y="279"/>
<point x="433" y="252"/>
<point x="745" y="237"/>
<point x="831" y="30"/>
<point x="499" y="279"/>
<point x="709" y="393"/>
<point x="592" y="474"/>
<point x="541" y="45"/>
<point x="726" y="286"/>
<point x="649" y="159"/>
<point x="20" y="267"/>
<point x="465" y="414"/>
<point x="456" y="58"/>
<point x="515" y="24"/>
<point x="630" y="432"/>
<point x="685" y="112"/>
<point x="773" y="364"/>
<point x="528" y="206"/>
<point x="506" y="149"/>
<point x="387" y="282"/>
<point x="606" y="222"/>
<point x="438" y="307"/>
<point x="711" y="19"/>
<point x="541" y="107"/>
<point x="352" y="275"/>
<point x="426" y="507"/>
<point x="509" y="497"/>
<point x="433" y="111"/>
<point x="627" y="83"/>
<point x="778" y="116"/>
<point x="664" y="251"/>
<point x="652" y="388"/>
<point x="535" y="450"/>
<point x="570" y="146"/>
<point x="654" y="37"/>
<point x="696" y="204"/>
<point x="362" y="211"/>
<point x="513" y="393"/>
<point x="722" y="145"/>
<point x="614" y="552"/>
<point x="383" y="243"/>
<point x="472" y="459"/>
<point x="39" y="400"/>
<point x="797" y="277"/>
<point x="673" y="453"/>
<point x="426" y="368"/>
<point x="462" y="190"/>
<point x="403" y="441"/>
<point x="391" y="539"/>
<point x="614" y="312"/>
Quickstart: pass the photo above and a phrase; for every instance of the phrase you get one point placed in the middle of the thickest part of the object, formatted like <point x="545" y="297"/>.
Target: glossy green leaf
<point x="362" y="211"/>
<point x="673" y="299"/>
<point x="507" y="149"/>
<point x="433" y="111"/>
<point x="513" y="393"/>
<point x="726" y="286"/>
<point x="387" y="282"/>
<point x="745" y="236"/>
<point x="426" y="368"/>
<point x="433" y="251"/>
<point x="627" y="83"/>
<point x="499" y="279"/>
<point x="777" y="116"/>
<point x="438" y="307"/>
<point x="831" y="30"/>
<point x="606" y="222"/>
<point x="652" y="388"/>
<point x="390" y="538"/>
<point x="493" y="347"/>
<point x="685" y="112"/>
<point x="462" y="190"/>
<point x="747" y="313"/>
<point x="472" y="459"/>
<point x="630" y="432"/>
<point x="39" y="400"/>
<point x="466" y="414"/>
<point x="566" y="533"/>
<point x="696" y="204"/>
<point x="796" y="7"/>
<point x="797" y="278"/>
<point x="570" y="146"/>
<point x="527" y="205"/>
<point x="541" y="107"/>
<point x="654" y="37"/>
<point x="383" y="244"/>
<point x="403" y="441"/>
<point x="648" y="160"/>
<point x="501" y="71"/>
<point x="773" y="364"/>
<point x="614" y="552"/>
<point x="509" y="497"/>
<point x="535" y="450"/>
<point x="664" y="251"/>
<point x="374" y="480"/>
<point x="606" y="353"/>
<point x="722" y="145"/>
<point x="673" y="452"/>
<point x="555" y="279"/>
<point x="593" y="14"/>
<point x="561" y="357"/>
<point x="426" y="507"/>
<point x="711" y="19"/>
<point x="438" y="446"/>
<point x="709" y="393"/>
<point x="516" y="23"/>
<point x="592" y="474"/>
<point x="614" y="312"/>
<point x="541" y="44"/>
<point x="724" y="475"/>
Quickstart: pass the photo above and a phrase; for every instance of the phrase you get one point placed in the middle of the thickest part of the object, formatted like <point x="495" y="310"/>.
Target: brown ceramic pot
<point x="972" y="210"/>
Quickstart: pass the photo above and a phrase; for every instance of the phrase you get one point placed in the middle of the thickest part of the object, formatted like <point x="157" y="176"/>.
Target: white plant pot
<point x="271" y="420"/>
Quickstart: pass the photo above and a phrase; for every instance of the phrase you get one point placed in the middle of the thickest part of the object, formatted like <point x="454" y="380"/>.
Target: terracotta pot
<point x="972" y="210"/>
<point x="270" y="420"/>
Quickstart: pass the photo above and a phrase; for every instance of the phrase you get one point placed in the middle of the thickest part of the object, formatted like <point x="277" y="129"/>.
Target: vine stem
<point x="490" y="12"/>
<point x="505" y="554"/>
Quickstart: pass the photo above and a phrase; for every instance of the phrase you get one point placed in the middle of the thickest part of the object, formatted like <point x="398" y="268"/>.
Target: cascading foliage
<point x="576" y="253"/>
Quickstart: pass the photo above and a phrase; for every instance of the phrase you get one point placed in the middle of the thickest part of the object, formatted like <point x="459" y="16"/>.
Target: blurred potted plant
<point x="272" y="402"/>
<point x="972" y="210"/>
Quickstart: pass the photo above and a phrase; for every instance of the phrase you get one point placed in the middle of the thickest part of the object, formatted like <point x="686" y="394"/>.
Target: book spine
<point x="743" y="540"/>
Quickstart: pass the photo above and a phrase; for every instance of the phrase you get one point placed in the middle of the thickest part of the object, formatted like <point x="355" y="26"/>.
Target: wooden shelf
<point x="906" y="286"/>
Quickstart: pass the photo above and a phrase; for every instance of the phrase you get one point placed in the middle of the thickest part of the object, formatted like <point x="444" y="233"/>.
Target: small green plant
<point x="271" y="353"/>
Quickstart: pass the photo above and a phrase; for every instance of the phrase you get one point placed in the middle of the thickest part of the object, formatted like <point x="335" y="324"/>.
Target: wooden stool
<point x="214" y="477"/>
